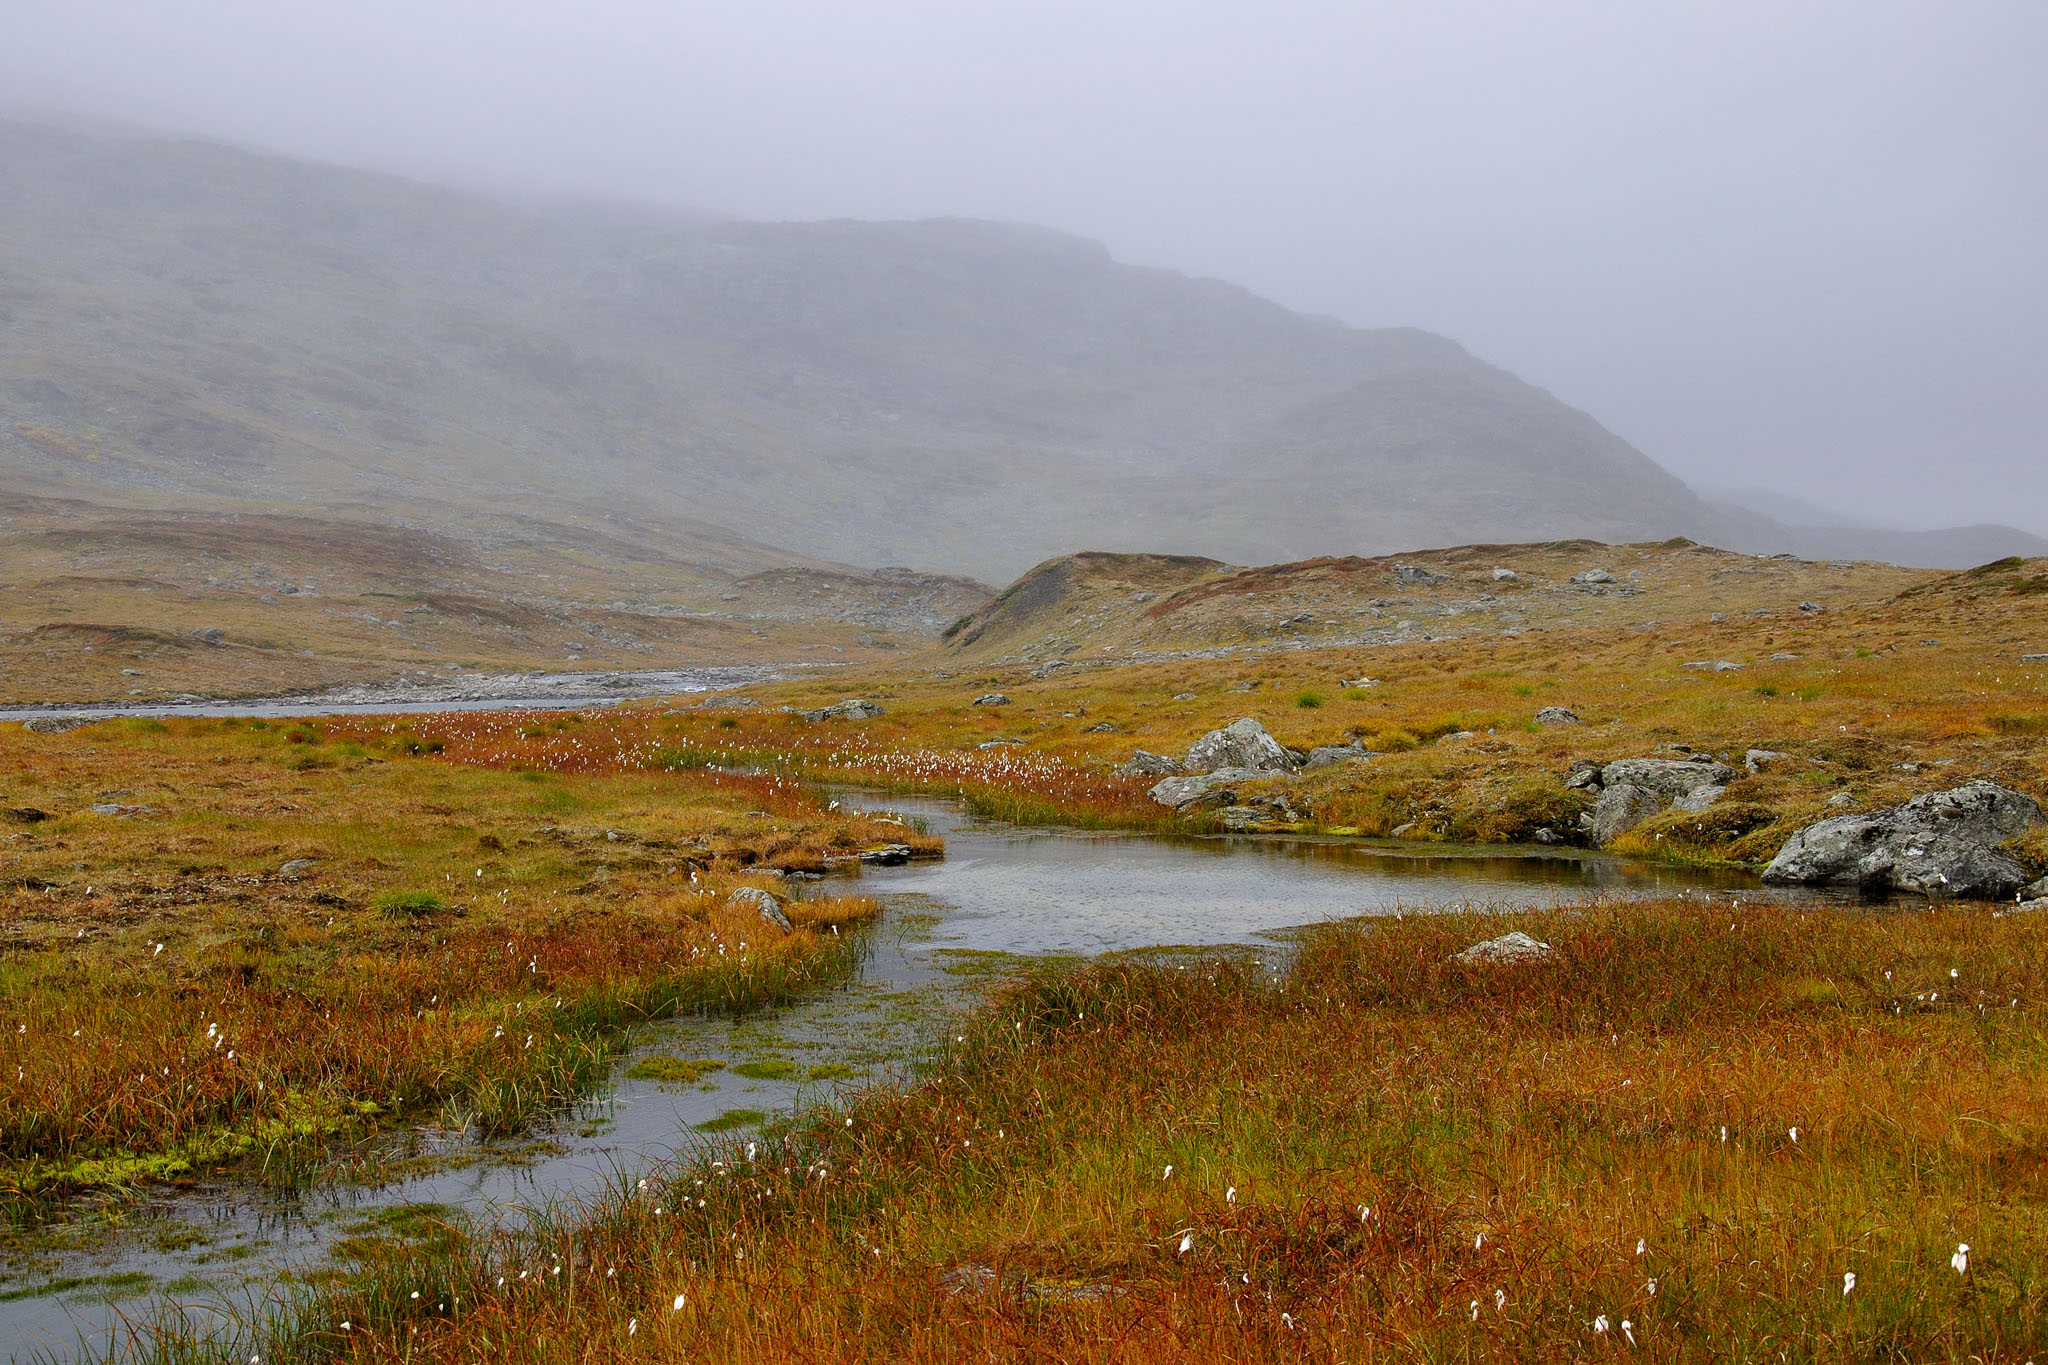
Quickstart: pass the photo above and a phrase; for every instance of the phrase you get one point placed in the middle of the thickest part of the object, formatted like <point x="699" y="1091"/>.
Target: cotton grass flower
<point x="1961" y="1260"/>
<point x="1848" y="1282"/>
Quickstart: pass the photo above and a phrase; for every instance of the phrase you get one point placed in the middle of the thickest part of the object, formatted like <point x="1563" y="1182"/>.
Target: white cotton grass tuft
<point x="677" y="1306"/>
<point x="1848" y="1282"/>
<point x="1187" y="1243"/>
<point x="1961" y="1260"/>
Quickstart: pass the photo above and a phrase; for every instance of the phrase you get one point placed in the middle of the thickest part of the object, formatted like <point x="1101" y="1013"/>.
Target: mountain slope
<point x="187" y="323"/>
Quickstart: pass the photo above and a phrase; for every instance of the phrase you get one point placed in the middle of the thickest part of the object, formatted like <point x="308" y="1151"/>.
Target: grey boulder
<point x="57" y="725"/>
<point x="1329" y="755"/>
<point x="1145" y="763"/>
<point x="1557" y="715"/>
<point x="761" y="903"/>
<point x="1240" y="744"/>
<point x="2038" y="891"/>
<point x="1634" y="789"/>
<point x="990" y="699"/>
<point x="853" y="708"/>
<point x="1756" y="760"/>
<point x="1941" y="844"/>
<point x="1206" y="789"/>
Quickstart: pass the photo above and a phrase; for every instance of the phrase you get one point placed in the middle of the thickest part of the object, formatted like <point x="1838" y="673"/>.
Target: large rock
<point x="761" y="903"/>
<point x="1240" y="744"/>
<point x="853" y="708"/>
<point x="1634" y="789"/>
<point x="1941" y="844"/>
<point x="1207" y="789"/>
<point x="1145" y="763"/>
<point x="1514" y="946"/>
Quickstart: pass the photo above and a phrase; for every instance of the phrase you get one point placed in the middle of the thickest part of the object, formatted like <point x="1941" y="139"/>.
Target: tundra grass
<point x="1860" y="706"/>
<point x="1698" y="1132"/>
<point x="270" y="939"/>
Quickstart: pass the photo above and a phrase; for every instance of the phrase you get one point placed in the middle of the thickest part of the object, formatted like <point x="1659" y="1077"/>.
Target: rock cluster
<point x="1221" y="761"/>
<point x="1941" y="844"/>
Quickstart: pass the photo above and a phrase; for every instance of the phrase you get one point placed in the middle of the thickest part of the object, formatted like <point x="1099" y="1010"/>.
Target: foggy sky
<point x="1786" y="243"/>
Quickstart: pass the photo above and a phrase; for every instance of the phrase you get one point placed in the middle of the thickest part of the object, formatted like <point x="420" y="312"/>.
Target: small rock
<point x="1359" y="683"/>
<point x="1103" y="727"/>
<point x="1243" y="743"/>
<point x="1584" y="779"/>
<point x="1547" y="835"/>
<point x="761" y="903"/>
<point x="1145" y="763"/>
<point x="888" y="855"/>
<point x="57" y="725"/>
<point x="297" y="868"/>
<point x="851" y="709"/>
<point x="1402" y="831"/>
<point x="1557" y="715"/>
<point x="1812" y="608"/>
<point x="131" y="672"/>
<point x="1000" y="744"/>
<point x="2037" y="905"/>
<point x="1503" y="575"/>
<point x="1783" y="658"/>
<point x="1416" y="574"/>
<point x="1756" y="760"/>
<point x="1456" y="735"/>
<point x="120" y="809"/>
<point x="990" y="699"/>
<point x="1329" y="755"/>
<point x="210" y="635"/>
<point x="2032" y="658"/>
<point x="1715" y="665"/>
<point x="728" y="702"/>
<point x="1183" y="696"/>
<point x="1841" y="800"/>
<point x="1593" y="576"/>
<point x="1508" y="948"/>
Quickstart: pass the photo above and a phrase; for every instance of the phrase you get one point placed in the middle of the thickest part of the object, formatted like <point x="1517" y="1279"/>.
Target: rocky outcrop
<point x="853" y="708"/>
<point x="57" y="725"/>
<point x="1145" y="763"/>
<point x="1508" y="948"/>
<point x="1240" y="744"/>
<point x="1557" y="715"/>
<point x="1634" y="789"/>
<point x="761" y="903"/>
<point x="1941" y="844"/>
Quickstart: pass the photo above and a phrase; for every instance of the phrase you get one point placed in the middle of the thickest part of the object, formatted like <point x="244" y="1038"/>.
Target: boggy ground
<point x="228" y="944"/>
<point x="1701" y="1131"/>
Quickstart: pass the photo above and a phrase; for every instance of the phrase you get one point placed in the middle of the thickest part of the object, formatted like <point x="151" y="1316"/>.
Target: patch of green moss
<point x="731" y="1119"/>
<point x="675" y="1070"/>
<point x="769" y="1069"/>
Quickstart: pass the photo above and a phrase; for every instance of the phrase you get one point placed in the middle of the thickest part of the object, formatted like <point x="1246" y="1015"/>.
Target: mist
<point x="1788" y="245"/>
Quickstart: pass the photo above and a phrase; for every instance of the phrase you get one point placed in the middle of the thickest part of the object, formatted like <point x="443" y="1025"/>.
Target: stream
<point x="1001" y="891"/>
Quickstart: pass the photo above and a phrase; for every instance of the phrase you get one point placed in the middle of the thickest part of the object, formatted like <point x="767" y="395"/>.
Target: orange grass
<point x="1673" y="1141"/>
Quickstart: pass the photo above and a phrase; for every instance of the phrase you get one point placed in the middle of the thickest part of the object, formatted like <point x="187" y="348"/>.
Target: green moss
<point x="676" y="1070"/>
<point x="731" y="1119"/>
<point x="769" y="1069"/>
<point x="831" y="1071"/>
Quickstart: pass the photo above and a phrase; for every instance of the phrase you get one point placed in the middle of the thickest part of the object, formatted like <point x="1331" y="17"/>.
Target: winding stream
<point x="1000" y="890"/>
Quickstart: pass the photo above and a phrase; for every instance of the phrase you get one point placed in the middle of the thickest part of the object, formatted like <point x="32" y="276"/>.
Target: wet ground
<point x="1002" y="893"/>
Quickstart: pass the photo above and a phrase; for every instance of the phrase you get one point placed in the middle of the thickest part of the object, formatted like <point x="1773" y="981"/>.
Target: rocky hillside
<point x="1113" y="608"/>
<point x="187" y="324"/>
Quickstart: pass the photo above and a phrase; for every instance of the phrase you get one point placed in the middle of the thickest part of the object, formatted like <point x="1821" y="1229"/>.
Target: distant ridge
<point x="186" y="324"/>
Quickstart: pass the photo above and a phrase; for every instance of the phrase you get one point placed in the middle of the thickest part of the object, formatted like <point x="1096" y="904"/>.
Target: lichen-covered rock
<point x="1557" y="715"/>
<point x="1941" y="844"/>
<point x="1200" y="790"/>
<point x="1329" y="755"/>
<point x="1145" y="763"/>
<point x="990" y="699"/>
<point x="1241" y="744"/>
<point x="853" y="708"/>
<point x="1634" y="789"/>
<point x="761" y="903"/>
<point x="1508" y="948"/>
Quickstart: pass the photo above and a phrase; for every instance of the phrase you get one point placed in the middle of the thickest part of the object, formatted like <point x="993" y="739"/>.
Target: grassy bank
<point x="228" y="944"/>
<point x="1678" y="1140"/>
